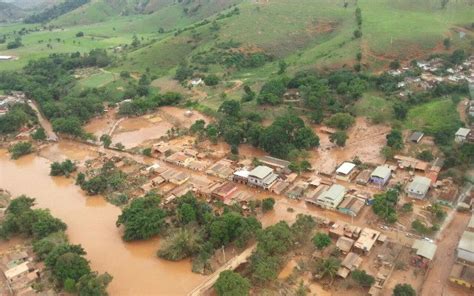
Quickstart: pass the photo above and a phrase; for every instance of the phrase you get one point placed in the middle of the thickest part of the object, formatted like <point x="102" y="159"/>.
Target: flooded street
<point x="91" y="223"/>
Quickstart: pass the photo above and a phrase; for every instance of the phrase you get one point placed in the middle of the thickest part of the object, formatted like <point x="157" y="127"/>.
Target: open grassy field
<point x="408" y="29"/>
<point x="306" y="33"/>
<point x="433" y="116"/>
<point x="374" y="107"/>
<point x="98" y="80"/>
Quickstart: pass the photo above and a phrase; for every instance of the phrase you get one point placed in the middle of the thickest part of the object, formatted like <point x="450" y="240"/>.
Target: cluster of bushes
<point x="274" y="242"/>
<point x="225" y="55"/>
<point x="19" y="149"/>
<point x="17" y="116"/>
<point x="108" y="179"/>
<point x="64" y="168"/>
<point x="69" y="269"/>
<point x="385" y="205"/>
<point x="143" y="105"/>
<point x="287" y="134"/>
<point x="192" y="228"/>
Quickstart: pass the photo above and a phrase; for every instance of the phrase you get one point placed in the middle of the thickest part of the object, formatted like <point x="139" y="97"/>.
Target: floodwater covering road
<point x="91" y="223"/>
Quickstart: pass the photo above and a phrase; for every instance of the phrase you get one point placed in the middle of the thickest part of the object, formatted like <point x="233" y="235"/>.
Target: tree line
<point x="70" y="270"/>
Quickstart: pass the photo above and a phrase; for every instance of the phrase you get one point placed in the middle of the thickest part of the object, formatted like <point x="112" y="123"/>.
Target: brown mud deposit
<point x="101" y="125"/>
<point x="132" y="132"/>
<point x="91" y="223"/>
<point x="365" y="141"/>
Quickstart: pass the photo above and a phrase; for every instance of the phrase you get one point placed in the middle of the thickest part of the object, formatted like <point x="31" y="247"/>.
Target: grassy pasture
<point x="433" y="116"/>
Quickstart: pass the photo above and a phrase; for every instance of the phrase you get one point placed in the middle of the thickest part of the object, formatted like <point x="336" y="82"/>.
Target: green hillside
<point x="320" y="32"/>
<point x="305" y="33"/>
<point x="10" y="12"/>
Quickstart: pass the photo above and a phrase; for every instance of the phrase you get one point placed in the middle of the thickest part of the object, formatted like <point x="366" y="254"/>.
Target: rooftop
<point x="471" y="222"/>
<point x="419" y="184"/>
<point x="275" y="162"/>
<point x="416" y="136"/>
<point x="424" y="248"/>
<point x="463" y="132"/>
<point x="467" y="241"/>
<point x="345" y="168"/>
<point x="382" y="172"/>
<point x="261" y="172"/>
<point x="17" y="270"/>
<point x="334" y="192"/>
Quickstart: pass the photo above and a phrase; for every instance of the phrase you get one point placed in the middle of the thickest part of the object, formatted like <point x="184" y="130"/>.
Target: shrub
<point x="19" y="149"/>
<point x="321" y="240"/>
<point x="267" y="204"/>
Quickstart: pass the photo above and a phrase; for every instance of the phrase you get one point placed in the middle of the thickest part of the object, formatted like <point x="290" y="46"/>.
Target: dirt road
<point x="436" y="282"/>
<point x="48" y="128"/>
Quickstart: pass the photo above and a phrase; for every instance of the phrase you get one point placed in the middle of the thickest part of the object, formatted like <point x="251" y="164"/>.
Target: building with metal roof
<point x="345" y="170"/>
<point x="424" y="248"/>
<point x="461" y="135"/>
<point x="380" y="175"/>
<point x="262" y="176"/>
<point x="418" y="188"/>
<point x="274" y="162"/>
<point x="416" y="137"/>
<point x="332" y="197"/>
<point x="465" y="249"/>
<point x="470" y="226"/>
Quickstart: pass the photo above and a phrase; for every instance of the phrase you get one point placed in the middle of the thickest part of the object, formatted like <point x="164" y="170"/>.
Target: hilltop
<point x="10" y="12"/>
<point x="306" y="34"/>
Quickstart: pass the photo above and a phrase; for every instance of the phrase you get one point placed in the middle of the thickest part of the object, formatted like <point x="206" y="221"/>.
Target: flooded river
<point x="91" y="223"/>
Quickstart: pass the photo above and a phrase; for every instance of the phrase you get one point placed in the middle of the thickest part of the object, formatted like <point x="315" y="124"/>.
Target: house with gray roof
<point x="380" y="175"/>
<point x="465" y="249"/>
<point x="418" y="188"/>
<point x="461" y="135"/>
<point x="262" y="176"/>
<point x="416" y="137"/>
<point x="332" y="197"/>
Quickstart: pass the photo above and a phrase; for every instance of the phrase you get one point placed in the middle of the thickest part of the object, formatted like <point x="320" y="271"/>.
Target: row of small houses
<point x="273" y="175"/>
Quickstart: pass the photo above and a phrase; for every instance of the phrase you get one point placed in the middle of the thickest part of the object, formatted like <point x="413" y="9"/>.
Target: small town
<point x="236" y="147"/>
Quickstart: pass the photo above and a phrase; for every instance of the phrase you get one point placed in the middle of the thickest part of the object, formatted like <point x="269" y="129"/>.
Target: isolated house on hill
<point x="461" y="135"/>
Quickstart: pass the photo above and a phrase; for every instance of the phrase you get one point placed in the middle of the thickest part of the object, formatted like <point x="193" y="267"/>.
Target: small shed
<point x="461" y="135"/>
<point x="416" y="137"/>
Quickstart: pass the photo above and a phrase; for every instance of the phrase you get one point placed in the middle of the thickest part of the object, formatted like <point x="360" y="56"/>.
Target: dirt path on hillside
<point x="462" y="110"/>
<point x="237" y="85"/>
<point x="436" y="282"/>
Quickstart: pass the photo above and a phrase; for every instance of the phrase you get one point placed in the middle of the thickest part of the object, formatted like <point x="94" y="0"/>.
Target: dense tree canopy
<point x="142" y="219"/>
<point x="231" y="283"/>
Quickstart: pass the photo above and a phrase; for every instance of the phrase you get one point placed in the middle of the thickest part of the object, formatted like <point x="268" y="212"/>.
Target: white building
<point x="332" y="197"/>
<point x="461" y="135"/>
<point x="345" y="170"/>
<point x="465" y="249"/>
<point x="418" y="187"/>
<point x="262" y="176"/>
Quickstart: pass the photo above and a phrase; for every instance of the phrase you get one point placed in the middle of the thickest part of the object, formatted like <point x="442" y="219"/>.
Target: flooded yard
<point x="91" y="223"/>
<point x="365" y="141"/>
<point x="132" y="132"/>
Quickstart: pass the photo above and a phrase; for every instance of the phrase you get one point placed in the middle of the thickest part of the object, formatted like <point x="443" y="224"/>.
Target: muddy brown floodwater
<point x="91" y="223"/>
